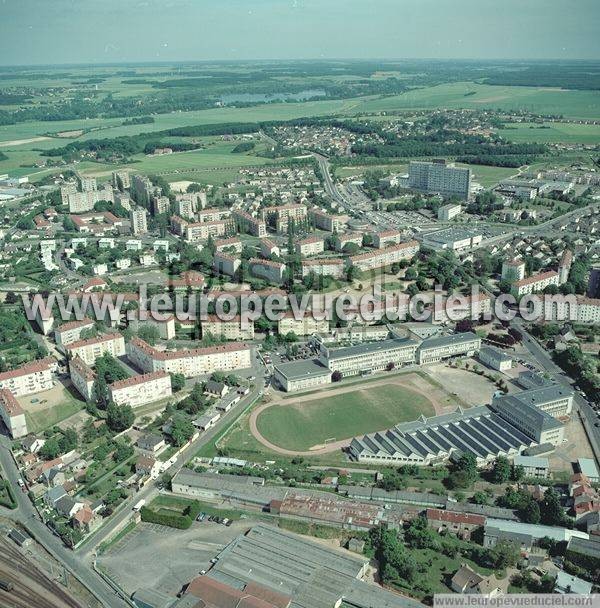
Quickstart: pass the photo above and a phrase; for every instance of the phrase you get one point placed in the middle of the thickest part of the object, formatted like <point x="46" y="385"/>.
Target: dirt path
<point x="408" y="381"/>
<point x="21" y="142"/>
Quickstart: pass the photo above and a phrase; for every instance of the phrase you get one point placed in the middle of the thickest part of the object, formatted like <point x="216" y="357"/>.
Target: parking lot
<point x="154" y="556"/>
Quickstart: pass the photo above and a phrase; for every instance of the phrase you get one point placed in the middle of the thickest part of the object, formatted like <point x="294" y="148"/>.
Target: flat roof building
<point x="301" y="375"/>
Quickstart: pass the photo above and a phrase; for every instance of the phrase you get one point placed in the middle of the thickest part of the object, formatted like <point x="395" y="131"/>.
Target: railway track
<point x="32" y="588"/>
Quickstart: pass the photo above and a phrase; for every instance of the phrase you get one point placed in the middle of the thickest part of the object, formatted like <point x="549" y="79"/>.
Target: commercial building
<point x="310" y="574"/>
<point x="71" y="331"/>
<point x="266" y="269"/>
<point x="369" y="357"/>
<point x="533" y="466"/>
<point x="452" y="239"/>
<point x="439" y="177"/>
<point x="332" y="267"/>
<point x="554" y="399"/>
<point x="192" y="362"/>
<point x="139" y="220"/>
<point x="89" y="350"/>
<point x="587" y="467"/>
<point x="537" y="282"/>
<point x="83" y="377"/>
<point x="495" y="358"/>
<point x="12" y="414"/>
<point x="449" y="212"/>
<point x="458" y="524"/>
<point x="301" y="375"/>
<point x="30" y="378"/>
<point x="485" y="431"/>
<point x="532" y="421"/>
<point x="229" y="329"/>
<point x="305" y="326"/>
<point x="311" y="245"/>
<point x="385" y="257"/>
<point x="438" y="348"/>
<point x="139" y="390"/>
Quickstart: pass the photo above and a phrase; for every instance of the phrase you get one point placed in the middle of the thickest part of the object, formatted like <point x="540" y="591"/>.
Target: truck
<point x="6" y="585"/>
<point x="138" y="505"/>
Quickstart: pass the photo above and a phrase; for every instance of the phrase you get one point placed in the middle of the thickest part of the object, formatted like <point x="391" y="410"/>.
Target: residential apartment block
<point x="250" y="225"/>
<point x="266" y="269"/>
<point x="89" y="350"/>
<point x="232" y="329"/>
<point x="385" y="257"/>
<point x="306" y="326"/>
<point x="311" y="245"/>
<point x="200" y="231"/>
<point x="327" y="222"/>
<point x="193" y="362"/>
<point x="537" y="282"/>
<point x="83" y="377"/>
<point x="71" y="331"/>
<point x="30" y="378"/>
<point x="385" y="238"/>
<point x="139" y="390"/>
<point x="12" y="414"/>
<point x="440" y="177"/>
<point x="333" y="267"/>
<point x="225" y="263"/>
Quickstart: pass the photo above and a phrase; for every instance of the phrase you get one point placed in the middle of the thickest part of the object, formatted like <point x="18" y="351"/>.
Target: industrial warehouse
<point x="505" y="428"/>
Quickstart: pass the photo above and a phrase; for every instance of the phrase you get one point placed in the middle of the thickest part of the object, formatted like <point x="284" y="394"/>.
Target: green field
<point x="574" y="104"/>
<point x="559" y="132"/>
<point x="45" y="418"/>
<point x="303" y="425"/>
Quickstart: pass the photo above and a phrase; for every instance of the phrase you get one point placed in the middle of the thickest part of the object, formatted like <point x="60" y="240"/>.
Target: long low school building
<point x="369" y="357"/>
<point x="301" y="375"/>
<point x="192" y="362"/>
<point x="139" y="390"/>
<point x="436" y="349"/>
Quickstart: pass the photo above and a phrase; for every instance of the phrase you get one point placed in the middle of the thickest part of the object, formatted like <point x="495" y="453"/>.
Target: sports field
<point x="304" y="425"/>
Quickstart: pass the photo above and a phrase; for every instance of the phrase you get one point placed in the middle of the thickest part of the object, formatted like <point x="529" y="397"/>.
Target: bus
<point x="6" y="585"/>
<point x="139" y="505"/>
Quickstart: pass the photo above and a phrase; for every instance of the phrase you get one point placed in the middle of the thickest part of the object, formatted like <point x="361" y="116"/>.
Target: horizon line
<point x="142" y="62"/>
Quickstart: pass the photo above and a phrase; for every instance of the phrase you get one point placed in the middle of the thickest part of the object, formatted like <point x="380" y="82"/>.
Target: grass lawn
<point x="169" y="504"/>
<point x="43" y="419"/>
<point x="301" y="426"/>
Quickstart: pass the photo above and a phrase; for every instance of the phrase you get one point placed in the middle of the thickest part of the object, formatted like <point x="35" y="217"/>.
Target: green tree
<point x="119" y="417"/>
<point x="501" y="470"/>
<point x="177" y="382"/>
<point x="181" y="430"/>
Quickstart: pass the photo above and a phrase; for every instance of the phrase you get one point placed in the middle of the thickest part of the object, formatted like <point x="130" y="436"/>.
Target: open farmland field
<point x="554" y="132"/>
<point x="574" y="104"/>
<point x="308" y="424"/>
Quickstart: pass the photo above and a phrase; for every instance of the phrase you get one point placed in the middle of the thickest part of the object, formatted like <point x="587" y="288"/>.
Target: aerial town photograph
<point x="299" y="303"/>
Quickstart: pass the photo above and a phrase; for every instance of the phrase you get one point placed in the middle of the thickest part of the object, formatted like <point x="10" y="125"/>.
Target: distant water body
<point x="262" y="98"/>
